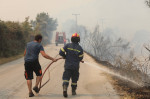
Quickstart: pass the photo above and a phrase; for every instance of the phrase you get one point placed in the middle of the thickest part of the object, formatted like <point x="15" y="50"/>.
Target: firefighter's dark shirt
<point x="73" y="53"/>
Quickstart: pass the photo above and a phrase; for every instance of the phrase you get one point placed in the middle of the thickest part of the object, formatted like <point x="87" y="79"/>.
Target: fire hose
<point x="41" y="85"/>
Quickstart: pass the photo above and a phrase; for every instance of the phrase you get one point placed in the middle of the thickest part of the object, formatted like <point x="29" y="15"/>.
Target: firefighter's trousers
<point x="74" y="75"/>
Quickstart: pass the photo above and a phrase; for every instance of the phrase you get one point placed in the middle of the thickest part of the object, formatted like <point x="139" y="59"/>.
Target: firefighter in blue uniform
<point x="73" y="54"/>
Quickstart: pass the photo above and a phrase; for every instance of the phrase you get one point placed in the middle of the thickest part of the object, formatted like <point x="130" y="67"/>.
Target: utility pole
<point x="102" y="20"/>
<point x="76" y="21"/>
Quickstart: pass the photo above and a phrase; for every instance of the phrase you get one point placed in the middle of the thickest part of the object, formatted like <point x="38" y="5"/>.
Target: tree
<point x="13" y="37"/>
<point x="3" y="28"/>
<point x="27" y="29"/>
<point x="45" y="25"/>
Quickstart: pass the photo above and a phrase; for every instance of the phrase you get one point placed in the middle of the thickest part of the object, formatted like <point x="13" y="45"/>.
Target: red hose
<point x="44" y="73"/>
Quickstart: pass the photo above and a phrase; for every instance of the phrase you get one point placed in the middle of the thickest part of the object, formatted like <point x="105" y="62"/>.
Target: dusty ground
<point x="92" y="84"/>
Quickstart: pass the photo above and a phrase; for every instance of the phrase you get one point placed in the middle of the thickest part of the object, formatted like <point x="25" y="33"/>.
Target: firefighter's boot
<point x="74" y="91"/>
<point x="65" y="91"/>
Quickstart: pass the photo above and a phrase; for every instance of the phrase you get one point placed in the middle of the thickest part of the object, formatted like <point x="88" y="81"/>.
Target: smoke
<point x="125" y="16"/>
<point x="116" y="18"/>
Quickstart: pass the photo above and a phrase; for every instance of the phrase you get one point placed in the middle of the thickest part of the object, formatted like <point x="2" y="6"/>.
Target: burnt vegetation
<point x="120" y="57"/>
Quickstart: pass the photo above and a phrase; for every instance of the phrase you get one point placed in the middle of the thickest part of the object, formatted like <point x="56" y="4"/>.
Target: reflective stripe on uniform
<point x="62" y="50"/>
<point x="73" y="49"/>
<point x="74" y="84"/>
<point x="81" y="55"/>
<point x="65" y="80"/>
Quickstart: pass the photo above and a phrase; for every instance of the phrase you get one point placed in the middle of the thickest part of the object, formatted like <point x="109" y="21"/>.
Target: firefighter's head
<point x="75" y="38"/>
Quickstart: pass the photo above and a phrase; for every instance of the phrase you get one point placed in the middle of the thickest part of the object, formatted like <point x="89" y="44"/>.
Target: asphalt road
<point x="92" y="84"/>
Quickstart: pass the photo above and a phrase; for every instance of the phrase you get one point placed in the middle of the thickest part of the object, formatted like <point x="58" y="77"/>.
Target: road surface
<point x="92" y="84"/>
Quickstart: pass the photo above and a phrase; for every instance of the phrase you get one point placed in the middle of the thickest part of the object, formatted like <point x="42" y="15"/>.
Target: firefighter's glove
<point x="64" y="57"/>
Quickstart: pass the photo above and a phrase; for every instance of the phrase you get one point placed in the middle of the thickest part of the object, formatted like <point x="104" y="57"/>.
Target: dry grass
<point x="128" y="90"/>
<point x="123" y="94"/>
<point x="5" y="60"/>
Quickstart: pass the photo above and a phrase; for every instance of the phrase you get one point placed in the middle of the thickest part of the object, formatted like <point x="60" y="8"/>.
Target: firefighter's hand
<point x="63" y="57"/>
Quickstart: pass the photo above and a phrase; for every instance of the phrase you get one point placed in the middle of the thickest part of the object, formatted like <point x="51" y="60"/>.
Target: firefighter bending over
<point x="73" y="53"/>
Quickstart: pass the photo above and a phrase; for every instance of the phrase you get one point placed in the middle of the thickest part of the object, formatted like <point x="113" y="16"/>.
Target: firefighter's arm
<point x="62" y="53"/>
<point x="24" y="52"/>
<point x="81" y="55"/>
<point x="47" y="56"/>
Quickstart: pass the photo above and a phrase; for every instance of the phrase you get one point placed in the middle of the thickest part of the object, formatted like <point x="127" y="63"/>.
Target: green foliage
<point x="27" y="29"/>
<point x="44" y="25"/>
<point x="13" y="37"/>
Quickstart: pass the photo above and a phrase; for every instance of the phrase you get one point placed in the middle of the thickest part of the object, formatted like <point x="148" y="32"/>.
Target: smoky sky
<point x="128" y="16"/>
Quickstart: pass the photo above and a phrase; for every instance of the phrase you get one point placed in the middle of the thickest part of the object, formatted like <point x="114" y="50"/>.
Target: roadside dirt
<point x="9" y="59"/>
<point x="125" y="88"/>
<point x="128" y="90"/>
